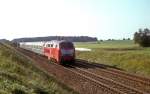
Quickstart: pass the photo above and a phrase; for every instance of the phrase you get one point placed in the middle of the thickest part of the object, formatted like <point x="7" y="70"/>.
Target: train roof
<point x="58" y="41"/>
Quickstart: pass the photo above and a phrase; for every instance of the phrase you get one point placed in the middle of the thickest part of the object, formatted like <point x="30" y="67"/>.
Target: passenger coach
<point x="61" y="51"/>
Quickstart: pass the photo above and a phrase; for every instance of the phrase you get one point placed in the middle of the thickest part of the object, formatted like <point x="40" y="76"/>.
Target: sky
<point x="104" y="19"/>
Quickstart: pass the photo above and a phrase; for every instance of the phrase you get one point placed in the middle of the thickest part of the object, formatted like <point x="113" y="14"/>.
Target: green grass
<point x="121" y="54"/>
<point x="19" y="76"/>
<point x="107" y="44"/>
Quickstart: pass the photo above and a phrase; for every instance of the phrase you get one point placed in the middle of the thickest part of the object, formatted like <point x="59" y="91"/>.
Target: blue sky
<point x="98" y="18"/>
<point x="119" y="18"/>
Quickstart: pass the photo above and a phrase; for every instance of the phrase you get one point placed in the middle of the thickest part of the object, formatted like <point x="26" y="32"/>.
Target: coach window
<point x="52" y="45"/>
<point x="48" y="45"/>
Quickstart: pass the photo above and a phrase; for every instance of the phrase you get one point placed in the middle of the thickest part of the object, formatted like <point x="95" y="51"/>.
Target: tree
<point x="142" y="37"/>
<point x="128" y="39"/>
<point x="123" y="39"/>
<point x="109" y="40"/>
<point x="100" y="40"/>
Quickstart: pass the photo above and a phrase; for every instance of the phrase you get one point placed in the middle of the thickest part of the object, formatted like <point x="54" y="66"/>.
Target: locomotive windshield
<point x="65" y="45"/>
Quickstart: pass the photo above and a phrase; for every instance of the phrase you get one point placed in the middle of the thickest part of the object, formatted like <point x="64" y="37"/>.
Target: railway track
<point x="137" y="78"/>
<point x="134" y="81"/>
<point x="109" y="82"/>
<point x="102" y="83"/>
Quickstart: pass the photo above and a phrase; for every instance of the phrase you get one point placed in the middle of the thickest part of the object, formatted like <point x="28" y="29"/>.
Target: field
<point x="18" y="75"/>
<point x="122" y="54"/>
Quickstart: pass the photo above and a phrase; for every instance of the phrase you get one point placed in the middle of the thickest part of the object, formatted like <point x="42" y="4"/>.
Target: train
<point x="61" y="52"/>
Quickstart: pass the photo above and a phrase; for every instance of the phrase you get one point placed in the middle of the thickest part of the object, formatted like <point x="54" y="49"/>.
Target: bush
<point x="40" y="91"/>
<point x="18" y="91"/>
<point x="142" y="37"/>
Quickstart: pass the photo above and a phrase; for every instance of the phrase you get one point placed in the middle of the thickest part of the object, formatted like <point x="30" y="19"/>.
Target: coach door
<point x="52" y="50"/>
<point x="56" y="51"/>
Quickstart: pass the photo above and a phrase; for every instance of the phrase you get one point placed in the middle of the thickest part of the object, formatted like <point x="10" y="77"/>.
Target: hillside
<point x="49" y="38"/>
<point x="18" y="75"/>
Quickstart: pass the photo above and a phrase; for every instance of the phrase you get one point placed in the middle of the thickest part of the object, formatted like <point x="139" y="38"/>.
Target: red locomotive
<point x="60" y="51"/>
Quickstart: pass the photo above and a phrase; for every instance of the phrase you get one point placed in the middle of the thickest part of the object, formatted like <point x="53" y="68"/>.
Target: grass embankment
<point x="19" y="76"/>
<point x="121" y="54"/>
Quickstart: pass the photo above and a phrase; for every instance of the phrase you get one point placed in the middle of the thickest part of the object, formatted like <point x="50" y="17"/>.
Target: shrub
<point x="18" y="91"/>
<point x="40" y="91"/>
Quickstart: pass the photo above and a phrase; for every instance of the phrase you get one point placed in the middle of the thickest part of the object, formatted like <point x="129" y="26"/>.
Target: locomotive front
<point x="67" y="52"/>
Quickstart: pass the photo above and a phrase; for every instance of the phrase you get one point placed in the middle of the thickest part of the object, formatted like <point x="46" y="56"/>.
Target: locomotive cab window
<point x="66" y="45"/>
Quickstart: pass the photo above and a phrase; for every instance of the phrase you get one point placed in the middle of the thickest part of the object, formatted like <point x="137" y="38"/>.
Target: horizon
<point x="104" y="19"/>
<point x="110" y="39"/>
<point x="68" y="36"/>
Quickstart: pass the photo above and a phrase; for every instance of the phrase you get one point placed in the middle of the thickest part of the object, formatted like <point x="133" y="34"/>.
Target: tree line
<point x="49" y="38"/>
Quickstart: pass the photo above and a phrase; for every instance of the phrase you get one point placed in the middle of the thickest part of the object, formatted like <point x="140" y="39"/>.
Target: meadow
<point x="122" y="54"/>
<point x="18" y="75"/>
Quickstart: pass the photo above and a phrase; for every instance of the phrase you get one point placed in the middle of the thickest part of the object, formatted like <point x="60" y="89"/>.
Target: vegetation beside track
<point x="122" y="54"/>
<point x="19" y="76"/>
